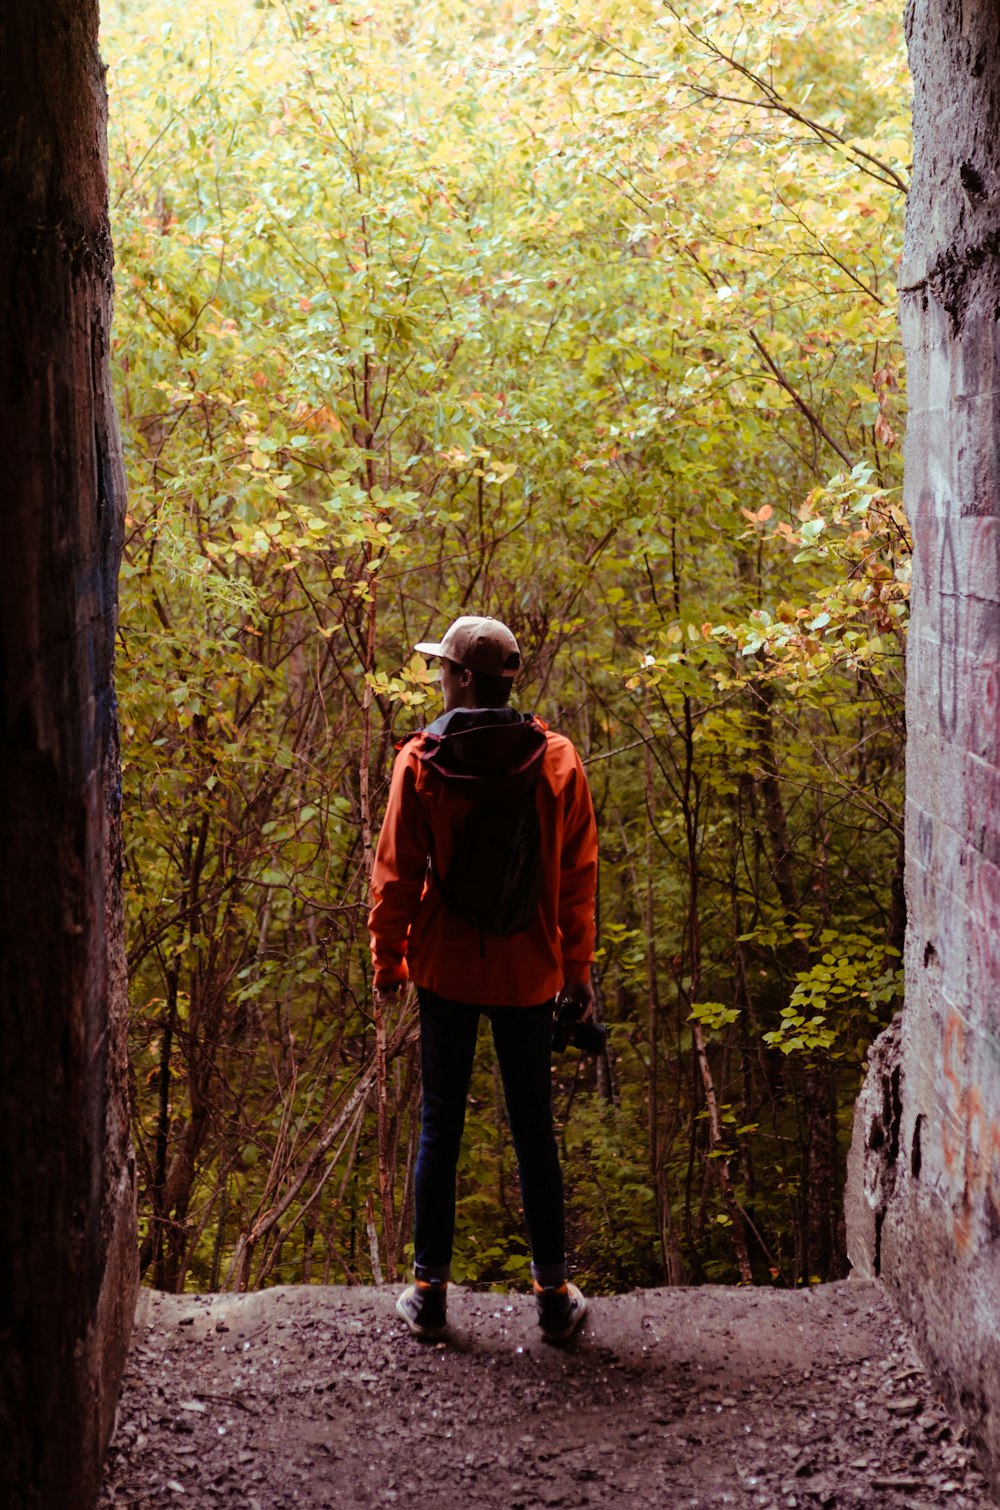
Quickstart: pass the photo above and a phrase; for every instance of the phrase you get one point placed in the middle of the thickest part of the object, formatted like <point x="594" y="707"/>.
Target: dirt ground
<point x="316" y="1397"/>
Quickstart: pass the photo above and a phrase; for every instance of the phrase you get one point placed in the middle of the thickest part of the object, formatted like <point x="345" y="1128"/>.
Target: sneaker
<point x="424" y="1308"/>
<point x="560" y="1309"/>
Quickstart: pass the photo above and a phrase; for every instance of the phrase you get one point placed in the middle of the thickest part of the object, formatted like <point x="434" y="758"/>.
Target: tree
<point x="67" y="1267"/>
<point x="558" y="314"/>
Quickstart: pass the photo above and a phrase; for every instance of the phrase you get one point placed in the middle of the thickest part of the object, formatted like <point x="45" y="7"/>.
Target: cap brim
<point x="428" y="649"/>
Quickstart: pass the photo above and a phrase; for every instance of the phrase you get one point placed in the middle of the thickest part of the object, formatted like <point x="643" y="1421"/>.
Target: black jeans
<point x="523" y="1040"/>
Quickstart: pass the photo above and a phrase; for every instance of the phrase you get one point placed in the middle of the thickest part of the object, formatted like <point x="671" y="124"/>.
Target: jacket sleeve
<point x="398" y="875"/>
<point x="577" y="878"/>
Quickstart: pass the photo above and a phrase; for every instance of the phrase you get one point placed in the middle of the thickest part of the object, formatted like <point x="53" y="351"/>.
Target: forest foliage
<point x="583" y="316"/>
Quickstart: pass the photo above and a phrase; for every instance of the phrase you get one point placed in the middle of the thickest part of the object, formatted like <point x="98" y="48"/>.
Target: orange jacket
<point x="415" y="935"/>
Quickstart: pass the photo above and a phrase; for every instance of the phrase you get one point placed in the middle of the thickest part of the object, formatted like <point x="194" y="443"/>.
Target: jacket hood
<point x="485" y="754"/>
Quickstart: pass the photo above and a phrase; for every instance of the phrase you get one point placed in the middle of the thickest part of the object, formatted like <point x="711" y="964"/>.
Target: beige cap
<point x="482" y="645"/>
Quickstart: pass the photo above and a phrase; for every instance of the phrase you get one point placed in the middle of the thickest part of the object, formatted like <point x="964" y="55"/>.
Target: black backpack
<point x="494" y="880"/>
<point x="493" y="759"/>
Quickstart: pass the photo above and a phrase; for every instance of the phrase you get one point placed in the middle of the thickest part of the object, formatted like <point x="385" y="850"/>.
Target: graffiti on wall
<point x="954" y="864"/>
<point x="970" y="1141"/>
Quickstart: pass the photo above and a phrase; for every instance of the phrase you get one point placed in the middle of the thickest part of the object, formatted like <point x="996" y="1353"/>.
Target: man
<point x="483" y="895"/>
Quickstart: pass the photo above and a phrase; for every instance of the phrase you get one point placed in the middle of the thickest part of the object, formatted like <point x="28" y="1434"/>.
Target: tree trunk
<point x="823" y="1253"/>
<point x="67" y="1254"/>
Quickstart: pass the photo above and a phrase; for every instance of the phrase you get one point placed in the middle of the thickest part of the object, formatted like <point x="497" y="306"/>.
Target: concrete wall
<point x="924" y="1203"/>
<point x="68" y="1270"/>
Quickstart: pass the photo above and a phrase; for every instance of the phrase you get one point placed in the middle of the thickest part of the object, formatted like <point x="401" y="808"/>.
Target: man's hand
<point x="582" y="992"/>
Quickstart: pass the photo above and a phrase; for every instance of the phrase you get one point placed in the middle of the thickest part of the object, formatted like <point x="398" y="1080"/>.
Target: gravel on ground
<point x="312" y="1396"/>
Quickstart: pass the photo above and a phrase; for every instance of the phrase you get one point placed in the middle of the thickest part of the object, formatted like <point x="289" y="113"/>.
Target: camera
<point x="568" y="1029"/>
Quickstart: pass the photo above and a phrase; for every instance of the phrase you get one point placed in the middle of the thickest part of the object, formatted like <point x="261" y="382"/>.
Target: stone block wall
<point x="924" y="1185"/>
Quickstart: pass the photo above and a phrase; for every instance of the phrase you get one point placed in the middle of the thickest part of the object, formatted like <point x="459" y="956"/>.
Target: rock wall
<point x="68" y="1270"/>
<point x="924" y="1207"/>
